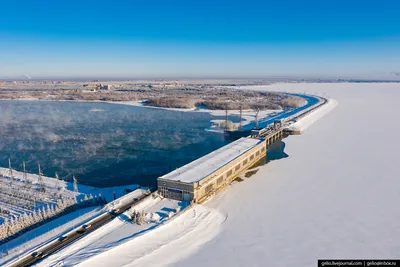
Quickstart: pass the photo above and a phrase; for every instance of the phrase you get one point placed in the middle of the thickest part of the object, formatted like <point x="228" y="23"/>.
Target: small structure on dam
<point x="202" y="177"/>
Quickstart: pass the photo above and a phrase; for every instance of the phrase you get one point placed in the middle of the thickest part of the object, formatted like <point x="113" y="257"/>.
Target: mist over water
<point x="102" y="144"/>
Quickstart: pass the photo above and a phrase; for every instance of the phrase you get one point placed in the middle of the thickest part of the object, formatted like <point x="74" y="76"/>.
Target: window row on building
<point x="231" y="171"/>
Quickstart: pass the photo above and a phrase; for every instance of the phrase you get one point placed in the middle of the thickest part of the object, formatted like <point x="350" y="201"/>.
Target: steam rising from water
<point x="120" y="145"/>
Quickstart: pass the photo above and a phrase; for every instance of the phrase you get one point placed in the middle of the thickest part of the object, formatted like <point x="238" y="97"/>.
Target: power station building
<point x="202" y="177"/>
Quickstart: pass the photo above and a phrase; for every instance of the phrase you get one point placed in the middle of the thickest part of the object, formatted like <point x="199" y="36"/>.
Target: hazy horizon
<point x="393" y="78"/>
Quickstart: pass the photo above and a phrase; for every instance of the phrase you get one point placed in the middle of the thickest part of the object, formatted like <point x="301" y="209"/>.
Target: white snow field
<point x="166" y="244"/>
<point x="303" y="123"/>
<point x="116" y="233"/>
<point x="41" y="235"/>
<point x="337" y="195"/>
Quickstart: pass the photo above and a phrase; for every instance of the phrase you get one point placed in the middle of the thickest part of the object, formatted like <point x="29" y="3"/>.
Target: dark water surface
<point x="102" y="144"/>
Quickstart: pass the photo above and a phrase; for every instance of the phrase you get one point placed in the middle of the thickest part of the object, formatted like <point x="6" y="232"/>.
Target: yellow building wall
<point x="202" y="187"/>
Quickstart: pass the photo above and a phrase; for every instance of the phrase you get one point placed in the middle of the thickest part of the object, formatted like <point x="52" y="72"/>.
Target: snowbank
<point x="45" y="233"/>
<point x="115" y="233"/>
<point x="166" y="244"/>
<point x="306" y="121"/>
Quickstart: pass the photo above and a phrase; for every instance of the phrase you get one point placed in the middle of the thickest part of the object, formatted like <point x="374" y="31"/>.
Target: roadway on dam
<point x="262" y="123"/>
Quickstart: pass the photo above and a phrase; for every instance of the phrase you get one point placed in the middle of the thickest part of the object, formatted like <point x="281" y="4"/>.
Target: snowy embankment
<point x="304" y="122"/>
<point x="166" y="244"/>
<point x="43" y="234"/>
<point x="116" y="233"/>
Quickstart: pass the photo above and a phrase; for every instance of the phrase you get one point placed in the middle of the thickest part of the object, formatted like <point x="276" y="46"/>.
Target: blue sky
<point x="200" y="38"/>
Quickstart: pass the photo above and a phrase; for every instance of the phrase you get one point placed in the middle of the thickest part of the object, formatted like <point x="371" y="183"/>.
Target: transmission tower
<point x="240" y="126"/>
<point x="75" y="184"/>
<point x="40" y="180"/>
<point x="27" y="182"/>
<point x="57" y="182"/>
<point x="226" y="116"/>
<point x="10" y="170"/>
<point x="58" y="188"/>
<point x="257" y="111"/>
<point x="25" y="176"/>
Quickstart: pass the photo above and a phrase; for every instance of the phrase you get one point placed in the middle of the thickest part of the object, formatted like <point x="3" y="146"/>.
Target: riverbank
<point x="214" y="97"/>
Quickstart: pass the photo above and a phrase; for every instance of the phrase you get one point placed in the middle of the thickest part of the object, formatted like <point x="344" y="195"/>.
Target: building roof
<point x="204" y="166"/>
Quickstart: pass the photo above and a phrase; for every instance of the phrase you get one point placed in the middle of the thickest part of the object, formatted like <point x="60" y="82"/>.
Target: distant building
<point x="92" y="85"/>
<point x="98" y="86"/>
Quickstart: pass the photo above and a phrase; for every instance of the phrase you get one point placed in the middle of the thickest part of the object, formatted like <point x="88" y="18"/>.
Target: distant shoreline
<point x="247" y="115"/>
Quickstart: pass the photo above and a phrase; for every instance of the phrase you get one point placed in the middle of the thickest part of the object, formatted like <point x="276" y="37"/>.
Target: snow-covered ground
<point x="48" y="231"/>
<point x="120" y="231"/>
<point x="50" y="185"/>
<point x="304" y="122"/>
<point x="45" y="233"/>
<point x="166" y="244"/>
<point x="335" y="196"/>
